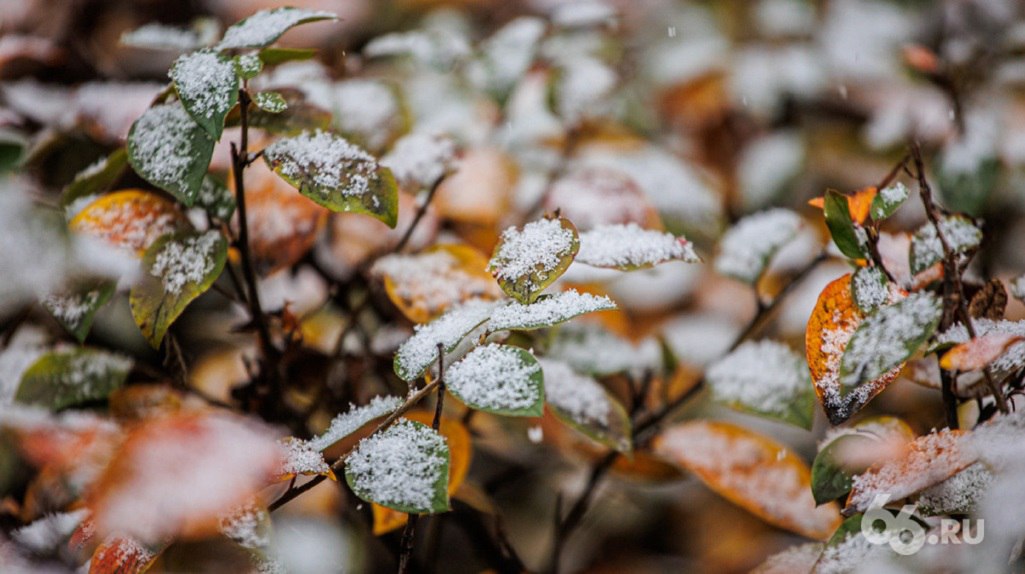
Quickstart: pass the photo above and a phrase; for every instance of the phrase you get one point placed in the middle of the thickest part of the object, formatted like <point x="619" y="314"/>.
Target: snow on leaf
<point x="593" y="196"/>
<point x="302" y="457"/>
<point x="404" y="467"/>
<point x="207" y="85"/>
<point x="64" y="378"/>
<point x="507" y="55"/>
<point x="958" y="494"/>
<point x="266" y="26"/>
<point x="500" y="379"/>
<point x="178" y="268"/>
<point x="586" y="406"/>
<point x="756" y="473"/>
<point x="370" y="112"/>
<point x="76" y="309"/>
<point x="247" y="525"/>
<point x="424" y="285"/>
<point x="527" y="260"/>
<point x="959" y="232"/>
<point x="170" y="150"/>
<point x="434" y="48"/>
<point x="888" y="337"/>
<point x="928" y="460"/>
<point x="336" y="174"/>
<point x="1013" y="357"/>
<point x="978" y="353"/>
<point x="155" y="36"/>
<point x="794" y="560"/>
<point x="271" y="102"/>
<point x="830" y="327"/>
<point x="888" y="201"/>
<point x="419" y="160"/>
<point x="628" y="247"/>
<point x="748" y="247"/>
<point x="45" y="535"/>
<point x="590" y="348"/>
<point x="847" y="451"/>
<point x="583" y="14"/>
<point x="94" y="179"/>
<point x="216" y="199"/>
<point x="869" y="287"/>
<point x="132" y="219"/>
<point x="421" y="350"/>
<point x="547" y="311"/>
<point x="122" y="555"/>
<point x="581" y="86"/>
<point x="350" y="421"/>
<point x="765" y="378"/>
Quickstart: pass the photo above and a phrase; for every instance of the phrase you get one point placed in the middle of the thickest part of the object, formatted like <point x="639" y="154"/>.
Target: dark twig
<point x="420" y="212"/>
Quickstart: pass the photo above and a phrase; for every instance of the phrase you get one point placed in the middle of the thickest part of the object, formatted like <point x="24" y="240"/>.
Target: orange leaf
<point x="858" y="203"/>
<point x="121" y="555"/>
<point x="753" y="471"/>
<point x="130" y="218"/>
<point x="830" y="327"/>
<point x="480" y="190"/>
<point x="978" y="352"/>
<point x="460" y="451"/>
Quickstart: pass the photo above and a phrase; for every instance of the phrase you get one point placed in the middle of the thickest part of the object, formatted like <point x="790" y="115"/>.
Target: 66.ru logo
<point x="906" y="536"/>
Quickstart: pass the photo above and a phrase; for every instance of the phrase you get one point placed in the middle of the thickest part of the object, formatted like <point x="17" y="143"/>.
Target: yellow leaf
<point x="858" y="203"/>
<point x="130" y="218"/>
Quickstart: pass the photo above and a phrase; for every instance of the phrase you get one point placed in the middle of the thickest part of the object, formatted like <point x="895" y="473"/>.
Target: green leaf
<point x="870" y="288"/>
<point x="275" y="56"/>
<point x="177" y="269"/>
<point x="96" y="178"/>
<point x="404" y="467"/>
<point x="583" y="404"/>
<point x="61" y="379"/>
<point x="216" y="198"/>
<point x="841" y="226"/>
<point x="888" y="337"/>
<point x="336" y="174"/>
<point x="831" y="476"/>
<point x="207" y="84"/>
<point x="960" y="233"/>
<point x="421" y="350"/>
<point x="849" y="527"/>
<point x="12" y="149"/>
<point x="888" y="201"/>
<point x="748" y="247"/>
<point x="76" y="310"/>
<point x="271" y="102"/>
<point x="170" y="150"/>
<point x="266" y="26"/>
<point x="547" y="311"/>
<point x="528" y="260"/>
<point x="298" y="116"/>
<point x="248" y="66"/>
<point x="969" y="190"/>
<point x="499" y="379"/>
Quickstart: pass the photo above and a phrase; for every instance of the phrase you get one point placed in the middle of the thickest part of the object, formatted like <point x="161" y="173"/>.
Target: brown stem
<point x="421" y="211"/>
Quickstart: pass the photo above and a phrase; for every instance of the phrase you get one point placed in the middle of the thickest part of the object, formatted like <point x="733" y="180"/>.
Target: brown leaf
<point x="990" y="301"/>
<point x="978" y="352"/>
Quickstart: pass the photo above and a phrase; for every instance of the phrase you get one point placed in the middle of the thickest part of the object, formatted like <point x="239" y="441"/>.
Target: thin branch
<point x="420" y="212"/>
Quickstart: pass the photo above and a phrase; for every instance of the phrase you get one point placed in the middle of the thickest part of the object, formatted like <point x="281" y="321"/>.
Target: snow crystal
<point x="632" y="246"/>
<point x="400" y="466"/>
<point x="765" y="376"/>
<point x="421" y="350"/>
<point x="579" y="396"/>
<point x="998" y="443"/>
<point x="161" y="37"/>
<point x="870" y="288"/>
<point x="46" y="534"/>
<point x="847" y="556"/>
<point x="247" y="526"/>
<point x="748" y="246"/>
<point x="590" y="348"/>
<point x="349" y="422"/>
<point x="891" y="195"/>
<point x="367" y="109"/>
<point x="206" y="82"/>
<point x="959" y="493"/>
<point x="883" y="340"/>
<point x="266" y="26"/>
<point x="129" y="222"/>
<point x="185" y="261"/>
<point x="583" y="13"/>
<point x="419" y="159"/>
<point x="161" y="144"/>
<point x="324" y="161"/>
<point x="539" y="248"/>
<point x="495" y="377"/>
<point x="437" y="49"/>
<point x="547" y="311"/>
<point x="302" y="457"/>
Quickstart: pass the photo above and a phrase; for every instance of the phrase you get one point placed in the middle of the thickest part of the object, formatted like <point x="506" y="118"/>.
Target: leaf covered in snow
<point x="266" y="26"/>
<point x="748" y="247"/>
<point x="888" y="201"/>
<point x="421" y="350"/>
<point x="848" y="451"/>
<point x="959" y="232"/>
<point x="75" y="309"/>
<point x="585" y="405"/>
<point x="547" y="311"/>
<point x="207" y="85"/>
<point x="528" y="260"/>
<point x="629" y="247"/>
<point x="170" y="150"/>
<point x="979" y="352"/>
<point x="350" y="421"/>
<point x="499" y="379"/>
<point x="870" y="288"/>
<point x="64" y="378"/>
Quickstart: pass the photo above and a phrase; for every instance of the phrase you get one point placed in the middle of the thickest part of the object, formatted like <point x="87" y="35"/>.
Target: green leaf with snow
<point x="176" y="269"/>
<point x="888" y="337"/>
<point x="547" y="311"/>
<point x="584" y="405"/>
<point x="869" y="288"/>
<point x="421" y="350"/>
<point x="765" y="378"/>
<point x="66" y="378"/>
<point x="275" y="56"/>
<point x="590" y="348"/>
<point x="298" y="116"/>
<point x="841" y="225"/>
<point x="248" y="66"/>
<point x="959" y="232"/>
<point x="336" y="174"/>
<point x="96" y="178"/>
<point x="266" y="26"/>
<point x="216" y="198"/>
<point x="506" y="56"/>
<point x="170" y="150"/>
<point x="630" y="247"/>
<point x="499" y="379"/>
<point x="404" y="467"/>
<point x="75" y="310"/>
<point x="888" y="201"/>
<point x="526" y="261"/>
<point x="831" y="475"/>
<point x="207" y="84"/>
<point x="271" y="102"/>
<point x="352" y="420"/>
<point x="748" y="247"/>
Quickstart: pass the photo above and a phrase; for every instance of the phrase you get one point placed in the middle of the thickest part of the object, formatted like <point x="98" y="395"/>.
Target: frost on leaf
<point x="336" y="174"/>
<point x="527" y="260"/>
<point x="122" y="555"/>
<point x="1013" y="357"/>
<point x="131" y="219"/>
<point x="65" y="378"/>
<point x="302" y="457"/>
<point x="349" y="422"/>
<point x="404" y="467"/>
<point x="765" y="378"/>
<point x="628" y="247"/>
<point x="247" y="525"/>
<point x="595" y="195"/>
<point x="170" y="150"/>
<point x="928" y="460"/>
<point x="756" y="473"/>
<point x="424" y="285"/>
<point x="870" y="288"/>
<point x="207" y="85"/>
<point x="421" y="350"/>
<point x="958" y="494"/>
<point x="45" y="535"/>
<point x="547" y="311"/>
<point x="979" y="352"/>
<point x="177" y="269"/>
<point x="888" y="337"/>
<point x="420" y="160"/>
<point x="500" y="379"/>
<point x="748" y="247"/>
<point x="582" y="403"/>
<point x="959" y="232"/>
<point x="266" y="26"/>
<point x="590" y="348"/>
<point x="76" y="309"/>
<point x="888" y="201"/>
<point x="271" y="102"/>
<point x="830" y="327"/>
